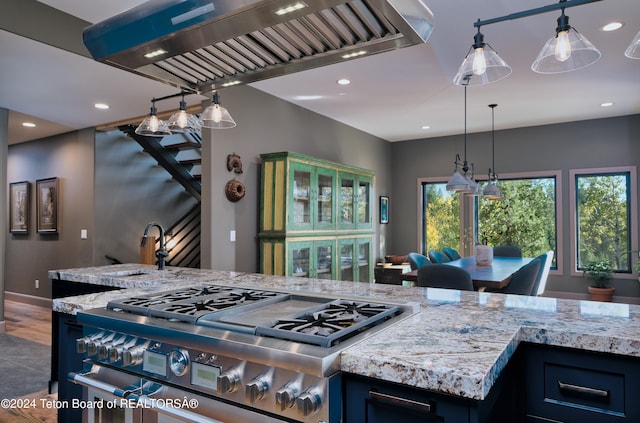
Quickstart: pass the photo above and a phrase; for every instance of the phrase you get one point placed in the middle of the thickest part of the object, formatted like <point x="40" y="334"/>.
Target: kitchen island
<point x="458" y="344"/>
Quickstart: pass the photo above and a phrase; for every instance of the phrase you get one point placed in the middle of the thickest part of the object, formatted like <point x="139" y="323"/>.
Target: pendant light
<point x="567" y="51"/>
<point x="459" y="181"/>
<point x="482" y="64"/>
<point x="633" y="51"/>
<point x="183" y="122"/>
<point x="491" y="191"/>
<point x="215" y="116"/>
<point x="152" y="126"/>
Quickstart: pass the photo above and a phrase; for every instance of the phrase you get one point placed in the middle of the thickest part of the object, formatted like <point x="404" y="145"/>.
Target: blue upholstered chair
<point x="524" y="279"/>
<point x="417" y="260"/>
<point x="507" y="251"/>
<point x="451" y="253"/>
<point x="437" y="257"/>
<point x="543" y="273"/>
<point x="444" y="276"/>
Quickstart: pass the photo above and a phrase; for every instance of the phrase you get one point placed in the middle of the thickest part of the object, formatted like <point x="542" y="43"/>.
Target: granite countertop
<point x="458" y="343"/>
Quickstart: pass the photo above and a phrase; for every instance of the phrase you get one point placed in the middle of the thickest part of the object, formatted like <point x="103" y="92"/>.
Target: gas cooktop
<point x="307" y="319"/>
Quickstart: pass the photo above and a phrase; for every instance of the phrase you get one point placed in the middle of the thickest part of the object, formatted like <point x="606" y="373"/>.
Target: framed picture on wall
<point x="384" y="209"/>
<point x="19" y="207"/>
<point x="47" y="205"/>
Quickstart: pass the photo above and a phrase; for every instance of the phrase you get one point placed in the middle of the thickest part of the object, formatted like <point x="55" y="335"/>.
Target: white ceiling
<point x="392" y="95"/>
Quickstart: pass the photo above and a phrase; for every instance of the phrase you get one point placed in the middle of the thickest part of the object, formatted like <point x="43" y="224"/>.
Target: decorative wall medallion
<point x="234" y="190"/>
<point x="234" y="163"/>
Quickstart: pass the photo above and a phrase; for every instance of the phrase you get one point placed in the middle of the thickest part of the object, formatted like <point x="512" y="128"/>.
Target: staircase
<point x="183" y="162"/>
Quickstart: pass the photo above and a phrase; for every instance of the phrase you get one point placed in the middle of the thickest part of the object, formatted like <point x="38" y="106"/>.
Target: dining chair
<point x="451" y="253"/>
<point x="523" y="279"/>
<point x="437" y="257"/>
<point x="507" y="251"/>
<point x="417" y="260"/>
<point x="543" y="273"/>
<point x="444" y="276"/>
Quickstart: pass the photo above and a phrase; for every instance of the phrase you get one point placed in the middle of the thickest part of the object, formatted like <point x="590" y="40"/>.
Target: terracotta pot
<point x="601" y="294"/>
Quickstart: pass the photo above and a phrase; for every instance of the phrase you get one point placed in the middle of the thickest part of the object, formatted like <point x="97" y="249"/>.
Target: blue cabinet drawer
<point x="577" y="386"/>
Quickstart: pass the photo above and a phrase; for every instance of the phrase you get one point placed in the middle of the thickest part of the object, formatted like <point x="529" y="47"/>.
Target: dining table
<point x="495" y="276"/>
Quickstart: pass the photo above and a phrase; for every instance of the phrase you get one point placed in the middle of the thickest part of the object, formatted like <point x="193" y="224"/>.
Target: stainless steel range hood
<point x="209" y="44"/>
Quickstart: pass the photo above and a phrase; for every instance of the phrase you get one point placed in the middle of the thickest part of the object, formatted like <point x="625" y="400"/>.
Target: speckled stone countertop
<point x="458" y="343"/>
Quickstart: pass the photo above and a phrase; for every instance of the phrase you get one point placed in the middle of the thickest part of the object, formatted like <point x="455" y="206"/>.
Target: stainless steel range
<point x="245" y="355"/>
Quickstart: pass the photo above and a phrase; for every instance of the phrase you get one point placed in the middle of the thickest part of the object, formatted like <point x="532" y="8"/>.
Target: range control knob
<point x="229" y="381"/>
<point x="132" y="356"/>
<point x="308" y="403"/>
<point x="286" y="397"/>
<point x="256" y="389"/>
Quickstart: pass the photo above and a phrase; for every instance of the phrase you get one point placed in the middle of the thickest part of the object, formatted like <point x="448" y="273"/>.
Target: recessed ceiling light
<point x="612" y="26"/>
<point x="101" y="106"/>
<point x="425" y="127"/>
<point x="29" y="124"/>
<point x="606" y="104"/>
<point x="343" y="81"/>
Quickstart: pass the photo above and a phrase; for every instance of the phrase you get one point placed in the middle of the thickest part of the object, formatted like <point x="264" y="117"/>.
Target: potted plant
<point x="598" y="273"/>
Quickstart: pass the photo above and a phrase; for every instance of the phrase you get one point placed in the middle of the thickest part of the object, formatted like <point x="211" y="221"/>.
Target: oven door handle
<point x="84" y="380"/>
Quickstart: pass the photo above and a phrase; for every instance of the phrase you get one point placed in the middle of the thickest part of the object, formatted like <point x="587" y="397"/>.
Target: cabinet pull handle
<point x="401" y="402"/>
<point x="584" y="390"/>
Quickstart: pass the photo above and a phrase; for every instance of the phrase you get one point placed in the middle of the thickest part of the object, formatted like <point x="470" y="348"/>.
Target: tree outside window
<point x="525" y="218"/>
<point x="603" y="220"/>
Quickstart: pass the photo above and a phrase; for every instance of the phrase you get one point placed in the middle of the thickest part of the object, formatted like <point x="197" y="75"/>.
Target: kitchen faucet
<point x="162" y="253"/>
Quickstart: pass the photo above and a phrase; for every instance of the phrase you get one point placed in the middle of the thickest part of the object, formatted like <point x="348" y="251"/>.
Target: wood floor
<point x="28" y="321"/>
<point x="34" y="324"/>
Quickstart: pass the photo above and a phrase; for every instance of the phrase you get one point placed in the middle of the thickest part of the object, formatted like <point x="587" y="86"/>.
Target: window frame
<point x="468" y="210"/>
<point x="557" y="174"/>
<point x="633" y="210"/>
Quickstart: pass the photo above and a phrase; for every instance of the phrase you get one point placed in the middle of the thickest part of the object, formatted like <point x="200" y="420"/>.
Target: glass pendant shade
<point x="216" y="116"/>
<point x="457" y="182"/>
<point x="567" y="51"/>
<point x="492" y="192"/>
<point x="633" y="51"/>
<point x="482" y="65"/>
<point x="495" y="68"/>
<point x="474" y="189"/>
<point x="183" y="122"/>
<point x="152" y="126"/>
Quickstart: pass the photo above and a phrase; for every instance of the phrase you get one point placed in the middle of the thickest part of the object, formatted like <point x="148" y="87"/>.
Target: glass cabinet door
<point x="347" y="268"/>
<point x="301" y="205"/>
<point x="299" y="259"/>
<point x="324" y="199"/>
<point x="364" y="258"/>
<point x="364" y="203"/>
<point x="323" y="260"/>
<point x="347" y="193"/>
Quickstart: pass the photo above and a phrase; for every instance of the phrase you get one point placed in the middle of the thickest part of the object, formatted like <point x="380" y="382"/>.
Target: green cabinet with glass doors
<point x="315" y="218"/>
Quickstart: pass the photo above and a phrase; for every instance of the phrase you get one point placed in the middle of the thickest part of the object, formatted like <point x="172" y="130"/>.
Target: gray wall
<point x="131" y="190"/>
<point x="267" y="124"/>
<point x="574" y="145"/>
<point x="68" y="157"/>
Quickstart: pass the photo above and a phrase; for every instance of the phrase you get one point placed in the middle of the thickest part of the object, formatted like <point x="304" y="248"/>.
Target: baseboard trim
<point x="28" y="299"/>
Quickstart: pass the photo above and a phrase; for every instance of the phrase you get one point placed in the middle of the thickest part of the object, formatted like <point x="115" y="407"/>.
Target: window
<point x="440" y="221"/>
<point x="604" y="212"/>
<point x="527" y="217"/>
